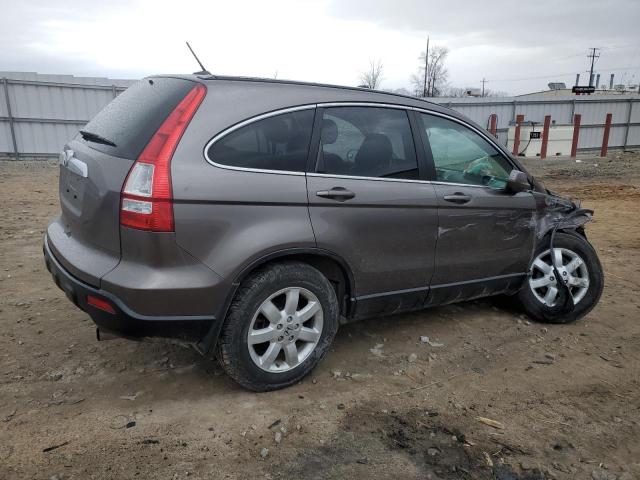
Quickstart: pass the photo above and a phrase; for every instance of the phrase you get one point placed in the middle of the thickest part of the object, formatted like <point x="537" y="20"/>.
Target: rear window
<point x="132" y="118"/>
<point x="279" y="143"/>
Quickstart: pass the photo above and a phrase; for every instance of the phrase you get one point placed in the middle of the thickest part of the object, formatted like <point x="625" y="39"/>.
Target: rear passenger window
<point x="367" y="142"/>
<point x="280" y="142"/>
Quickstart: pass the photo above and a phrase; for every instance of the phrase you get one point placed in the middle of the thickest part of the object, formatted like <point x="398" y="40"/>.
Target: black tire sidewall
<point x="575" y="242"/>
<point x="264" y="284"/>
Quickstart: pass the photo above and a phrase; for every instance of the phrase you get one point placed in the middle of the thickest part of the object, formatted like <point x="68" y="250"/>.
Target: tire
<point x="250" y="364"/>
<point x="568" y="243"/>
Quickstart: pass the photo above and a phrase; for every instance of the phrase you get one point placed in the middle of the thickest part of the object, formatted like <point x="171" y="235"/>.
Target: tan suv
<point x="254" y="216"/>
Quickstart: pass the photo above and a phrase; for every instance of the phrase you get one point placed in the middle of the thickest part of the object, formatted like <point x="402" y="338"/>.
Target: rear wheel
<point x="579" y="268"/>
<point x="280" y="325"/>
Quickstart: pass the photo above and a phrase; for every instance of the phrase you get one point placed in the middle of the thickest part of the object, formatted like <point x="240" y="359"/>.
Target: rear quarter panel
<point x="229" y="218"/>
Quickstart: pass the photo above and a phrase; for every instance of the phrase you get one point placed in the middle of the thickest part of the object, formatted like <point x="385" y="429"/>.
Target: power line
<point x="560" y="74"/>
<point x="617" y="47"/>
<point x="632" y="59"/>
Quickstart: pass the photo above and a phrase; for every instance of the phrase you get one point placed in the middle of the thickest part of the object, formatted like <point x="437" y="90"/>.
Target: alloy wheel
<point x="285" y="329"/>
<point x="573" y="272"/>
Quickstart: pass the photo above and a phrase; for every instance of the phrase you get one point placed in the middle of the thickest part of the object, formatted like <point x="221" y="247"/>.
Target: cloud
<point x="507" y="40"/>
<point x="321" y="40"/>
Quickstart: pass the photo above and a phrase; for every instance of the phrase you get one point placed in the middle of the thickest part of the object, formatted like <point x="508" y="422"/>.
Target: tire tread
<point x="227" y="349"/>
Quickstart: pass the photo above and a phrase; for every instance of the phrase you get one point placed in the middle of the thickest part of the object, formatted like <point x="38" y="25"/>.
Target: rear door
<point x="369" y="205"/>
<point x="485" y="234"/>
<point x="86" y="237"/>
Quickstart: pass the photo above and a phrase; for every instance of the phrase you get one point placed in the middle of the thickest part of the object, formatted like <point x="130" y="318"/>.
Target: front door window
<point x="462" y="156"/>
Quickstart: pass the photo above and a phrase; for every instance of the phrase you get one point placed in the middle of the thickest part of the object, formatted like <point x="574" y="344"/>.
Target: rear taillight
<point x="146" y="201"/>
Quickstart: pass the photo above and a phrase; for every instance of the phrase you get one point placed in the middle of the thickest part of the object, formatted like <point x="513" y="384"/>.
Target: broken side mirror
<point x="518" y="182"/>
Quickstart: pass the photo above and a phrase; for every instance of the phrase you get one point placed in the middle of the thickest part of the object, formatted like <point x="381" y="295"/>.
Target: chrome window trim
<point x="362" y="104"/>
<point x="249" y="121"/>
<point x="397" y="180"/>
<point x="453" y="184"/>
<point x="379" y="179"/>
<point x="274" y="113"/>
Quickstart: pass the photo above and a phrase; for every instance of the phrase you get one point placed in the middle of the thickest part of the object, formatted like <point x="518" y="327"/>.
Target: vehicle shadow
<point x="178" y="366"/>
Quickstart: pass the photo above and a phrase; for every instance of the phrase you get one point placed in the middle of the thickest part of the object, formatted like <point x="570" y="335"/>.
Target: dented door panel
<point x="484" y="244"/>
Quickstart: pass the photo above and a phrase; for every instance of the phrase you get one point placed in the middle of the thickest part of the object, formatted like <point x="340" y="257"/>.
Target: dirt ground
<point x="566" y="398"/>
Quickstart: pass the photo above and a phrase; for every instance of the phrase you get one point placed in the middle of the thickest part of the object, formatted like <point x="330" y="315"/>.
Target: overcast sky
<point x="517" y="46"/>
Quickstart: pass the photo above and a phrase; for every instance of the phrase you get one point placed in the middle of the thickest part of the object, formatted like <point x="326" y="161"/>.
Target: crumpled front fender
<point x="555" y="211"/>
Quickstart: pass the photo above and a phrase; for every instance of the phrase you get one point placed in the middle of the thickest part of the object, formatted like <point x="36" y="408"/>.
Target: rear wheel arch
<point x="332" y="266"/>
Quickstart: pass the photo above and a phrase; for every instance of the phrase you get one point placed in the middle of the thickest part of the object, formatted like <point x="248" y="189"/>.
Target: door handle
<point x="458" y="197"/>
<point x="336" y="193"/>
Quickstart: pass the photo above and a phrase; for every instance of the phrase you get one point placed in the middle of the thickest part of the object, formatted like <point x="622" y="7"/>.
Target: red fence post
<point x="545" y="137"/>
<point x="493" y="124"/>
<point x="605" y="136"/>
<point x="576" y="134"/>
<point x="516" y="138"/>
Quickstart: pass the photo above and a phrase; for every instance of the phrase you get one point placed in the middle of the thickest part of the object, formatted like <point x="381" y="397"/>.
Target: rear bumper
<point x="125" y="322"/>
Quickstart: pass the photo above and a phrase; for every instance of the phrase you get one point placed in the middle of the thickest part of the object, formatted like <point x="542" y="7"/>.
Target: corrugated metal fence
<point x="40" y="113"/>
<point x="625" y="110"/>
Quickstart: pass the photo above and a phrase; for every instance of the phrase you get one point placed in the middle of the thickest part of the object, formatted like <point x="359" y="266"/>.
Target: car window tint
<point x="280" y="142"/>
<point x="367" y="142"/>
<point x="133" y="117"/>
<point x="462" y="156"/>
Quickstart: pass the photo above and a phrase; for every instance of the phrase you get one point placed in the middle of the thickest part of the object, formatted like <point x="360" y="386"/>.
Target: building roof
<point x="566" y="92"/>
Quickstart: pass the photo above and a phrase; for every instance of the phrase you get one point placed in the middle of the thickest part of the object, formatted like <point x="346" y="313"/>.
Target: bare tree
<point x="398" y="91"/>
<point x="436" y="73"/>
<point x="457" y="92"/>
<point x="472" y="92"/>
<point x="372" y="78"/>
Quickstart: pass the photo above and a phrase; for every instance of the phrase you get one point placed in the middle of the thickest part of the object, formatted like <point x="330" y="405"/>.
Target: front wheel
<point x="578" y="266"/>
<point x="280" y="325"/>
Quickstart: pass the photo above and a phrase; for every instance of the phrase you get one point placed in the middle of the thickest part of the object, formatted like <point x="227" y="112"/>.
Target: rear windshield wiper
<point x="95" y="138"/>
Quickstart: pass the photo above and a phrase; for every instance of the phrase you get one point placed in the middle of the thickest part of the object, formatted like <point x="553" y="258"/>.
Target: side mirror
<point x="518" y="182"/>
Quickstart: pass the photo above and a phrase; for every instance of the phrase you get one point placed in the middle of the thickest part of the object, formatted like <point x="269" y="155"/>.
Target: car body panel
<point x="86" y="235"/>
<point x="387" y="233"/>
<point x="499" y="226"/>
<point x="493" y="235"/>
<point x="228" y="218"/>
<point x="157" y="277"/>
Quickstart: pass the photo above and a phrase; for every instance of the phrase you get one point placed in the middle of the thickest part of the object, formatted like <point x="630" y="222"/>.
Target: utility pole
<point x="483" y="82"/>
<point x="426" y="69"/>
<point x="593" y="57"/>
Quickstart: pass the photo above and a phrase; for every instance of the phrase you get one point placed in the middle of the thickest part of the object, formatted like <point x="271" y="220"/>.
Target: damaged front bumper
<point x="561" y="213"/>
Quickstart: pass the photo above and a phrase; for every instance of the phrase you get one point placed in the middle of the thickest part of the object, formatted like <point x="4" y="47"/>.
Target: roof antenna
<point x="204" y="71"/>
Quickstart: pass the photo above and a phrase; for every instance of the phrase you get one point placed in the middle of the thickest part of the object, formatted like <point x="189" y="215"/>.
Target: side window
<point x="280" y="142"/>
<point x="367" y="142"/>
<point x="462" y="156"/>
